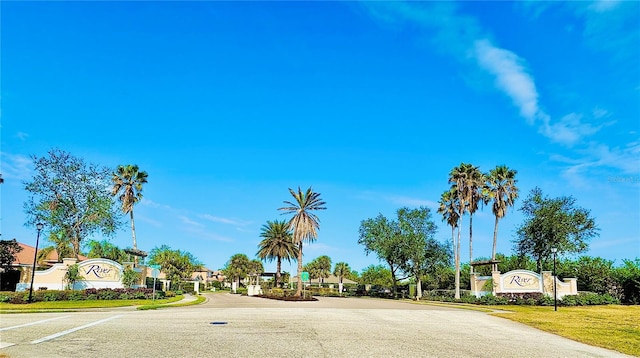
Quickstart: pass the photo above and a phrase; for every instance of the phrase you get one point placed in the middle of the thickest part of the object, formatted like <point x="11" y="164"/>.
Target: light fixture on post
<point x="555" y="280"/>
<point x="39" y="226"/>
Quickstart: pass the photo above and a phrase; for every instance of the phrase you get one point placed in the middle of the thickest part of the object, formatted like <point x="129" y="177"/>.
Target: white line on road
<point x="59" y="334"/>
<point x="32" y="323"/>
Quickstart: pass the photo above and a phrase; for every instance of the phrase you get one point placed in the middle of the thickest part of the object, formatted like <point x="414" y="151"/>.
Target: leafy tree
<point x="304" y="223"/>
<point x="449" y="209"/>
<point x="72" y="276"/>
<point x="277" y="243"/>
<point x="628" y="277"/>
<point x="129" y="277"/>
<point x="502" y="190"/>
<point x="423" y="252"/>
<point x="255" y="269"/>
<point x="377" y="275"/>
<point x="71" y="197"/>
<point x="9" y="250"/>
<point x="127" y="185"/>
<point x="107" y="250"/>
<point x="177" y="265"/>
<point x="553" y="223"/>
<point x="61" y="246"/>
<point x="237" y="268"/>
<point x="381" y="236"/>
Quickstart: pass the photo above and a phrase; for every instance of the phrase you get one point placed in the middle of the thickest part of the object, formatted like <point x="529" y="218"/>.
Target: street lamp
<point x="39" y="226"/>
<point x="555" y="280"/>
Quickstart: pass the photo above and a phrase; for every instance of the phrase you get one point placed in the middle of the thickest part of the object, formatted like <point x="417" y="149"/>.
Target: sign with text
<point x="100" y="270"/>
<point x="304" y="276"/>
<point x="521" y="280"/>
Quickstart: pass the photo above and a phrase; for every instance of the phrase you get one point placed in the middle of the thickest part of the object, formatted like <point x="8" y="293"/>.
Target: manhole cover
<point x="218" y="322"/>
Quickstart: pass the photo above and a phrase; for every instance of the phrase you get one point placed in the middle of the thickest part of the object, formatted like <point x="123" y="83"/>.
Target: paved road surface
<point x="255" y="327"/>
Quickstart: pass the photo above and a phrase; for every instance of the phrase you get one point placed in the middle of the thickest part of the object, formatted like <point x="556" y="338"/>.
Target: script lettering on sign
<point x="98" y="271"/>
<point x="522" y="281"/>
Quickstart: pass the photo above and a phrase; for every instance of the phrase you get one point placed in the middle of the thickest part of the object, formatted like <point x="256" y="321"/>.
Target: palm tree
<point x="341" y="270"/>
<point x="449" y="210"/>
<point x="475" y="183"/>
<point x="127" y="183"/>
<point x="277" y="243"/>
<point x="324" y="267"/>
<point x="304" y="223"/>
<point x="502" y="190"/>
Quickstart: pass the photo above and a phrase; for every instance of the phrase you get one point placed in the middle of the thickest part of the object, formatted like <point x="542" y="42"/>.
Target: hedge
<point x="80" y="295"/>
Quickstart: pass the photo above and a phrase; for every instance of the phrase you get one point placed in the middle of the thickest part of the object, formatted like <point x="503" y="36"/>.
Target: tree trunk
<point x="278" y="267"/>
<point x="419" y="289"/>
<point x="458" y="262"/>
<point x="393" y="278"/>
<point x="495" y="240"/>
<point x="299" y="288"/>
<point x="470" y="242"/>
<point x="133" y="234"/>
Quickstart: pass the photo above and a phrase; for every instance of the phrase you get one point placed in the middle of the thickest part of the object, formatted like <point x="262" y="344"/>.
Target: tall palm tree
<point x="277" y="243"/>
<point x="127" y="183"/>
<point x="448" y="208"/>
<point x="341" y="270"/>
<point x="502" y="190"/>
<point x="475" y="183"/>
<point x="304" y="223"/>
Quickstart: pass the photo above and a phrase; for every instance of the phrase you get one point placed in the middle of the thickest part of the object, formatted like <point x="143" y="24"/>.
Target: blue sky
<point x="228" y="104"/>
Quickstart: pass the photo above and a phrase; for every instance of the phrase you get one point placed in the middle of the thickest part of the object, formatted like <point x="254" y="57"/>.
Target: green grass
<point x="613" y="327"/>
<point x="198" y="300"/>
<point x="74" y="305"/>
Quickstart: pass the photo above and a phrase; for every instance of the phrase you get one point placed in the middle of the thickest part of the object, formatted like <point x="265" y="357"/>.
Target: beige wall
<point x="95" y="273"/>
<point x="524" y="281"/>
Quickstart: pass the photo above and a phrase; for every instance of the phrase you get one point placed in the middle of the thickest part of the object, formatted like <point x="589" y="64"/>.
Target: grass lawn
<point x="71" y="305"/>
<point x="613" y="327"/>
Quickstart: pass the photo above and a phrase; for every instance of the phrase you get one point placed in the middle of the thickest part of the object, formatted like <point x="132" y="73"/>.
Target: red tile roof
<point x="25" y="257"/>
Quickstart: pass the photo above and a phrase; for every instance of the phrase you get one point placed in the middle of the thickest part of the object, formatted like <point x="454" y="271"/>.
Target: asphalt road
<point x="255" y="327"/>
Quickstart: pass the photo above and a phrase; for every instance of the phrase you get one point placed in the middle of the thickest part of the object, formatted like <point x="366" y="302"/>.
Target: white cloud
<point x="568" y="131"/>
<point x="603" y="5"/>
<point x="511" y="77"/>
<point x="218" y="219"/>
<point x="16" y="167"/>
<point x="22" y="136"/>
<point x="153" y="204"/>
<point x="187" y="221"/>
<point x="408" y="201"/>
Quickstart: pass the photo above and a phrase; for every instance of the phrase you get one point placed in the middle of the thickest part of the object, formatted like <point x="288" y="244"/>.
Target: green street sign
<point x="305" y="276"/>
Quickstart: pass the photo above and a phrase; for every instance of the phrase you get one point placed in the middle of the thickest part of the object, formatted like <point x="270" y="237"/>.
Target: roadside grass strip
<point x="60" y="334"/>
<point x="32" y="323"/>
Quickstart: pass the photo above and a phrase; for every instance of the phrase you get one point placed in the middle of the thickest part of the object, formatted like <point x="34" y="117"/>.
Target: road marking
<point x="60" y="334"/>
<point x="32" y="323"/>
<point x="5" y="345"/>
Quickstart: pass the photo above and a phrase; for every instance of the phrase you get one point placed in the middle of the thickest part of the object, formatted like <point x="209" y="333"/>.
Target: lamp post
<point x="39" y="226"/>
<point x="555" y="279"/>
